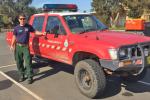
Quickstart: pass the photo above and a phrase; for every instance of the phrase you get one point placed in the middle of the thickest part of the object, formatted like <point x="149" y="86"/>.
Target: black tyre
<point x="90" y="78"/>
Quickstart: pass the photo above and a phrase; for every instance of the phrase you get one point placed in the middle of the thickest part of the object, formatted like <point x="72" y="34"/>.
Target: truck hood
<point x="116" y="38"/>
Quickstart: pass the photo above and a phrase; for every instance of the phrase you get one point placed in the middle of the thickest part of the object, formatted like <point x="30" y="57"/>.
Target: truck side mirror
<point x="45" y="37"/>
<point x="58" y="30"/>
<point x="55" y="31"/>
<point x="56" y="35"/>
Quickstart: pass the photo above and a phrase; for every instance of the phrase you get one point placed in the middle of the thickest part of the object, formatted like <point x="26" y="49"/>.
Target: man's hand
<point x="40" y="33"/>
<point x="12" y="48"/>
<point x="44" y="33"/>
<point x="13" y="43"/>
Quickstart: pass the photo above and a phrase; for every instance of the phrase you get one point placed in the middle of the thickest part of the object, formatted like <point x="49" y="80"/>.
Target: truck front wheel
<point x="90" y="78"/>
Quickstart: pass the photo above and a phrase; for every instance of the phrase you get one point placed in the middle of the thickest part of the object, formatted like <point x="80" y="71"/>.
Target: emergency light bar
<point x="60" y="7"/>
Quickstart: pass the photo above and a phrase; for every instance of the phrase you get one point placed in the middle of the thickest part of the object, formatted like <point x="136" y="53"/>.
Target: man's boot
<point x="22" y="78"/>
<point x="30" y="80"/>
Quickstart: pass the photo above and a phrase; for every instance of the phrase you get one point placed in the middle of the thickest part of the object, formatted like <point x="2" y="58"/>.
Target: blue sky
<point x="82" y="4"/>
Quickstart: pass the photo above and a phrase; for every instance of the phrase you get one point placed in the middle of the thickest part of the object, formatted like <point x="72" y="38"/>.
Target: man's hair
<point x="22" y="15"/>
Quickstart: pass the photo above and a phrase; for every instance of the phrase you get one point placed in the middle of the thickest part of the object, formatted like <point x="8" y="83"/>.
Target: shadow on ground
<point x="55" y="68"/>
<point x="136" y="87"/>
<point x="13" y="74"/>
<point x="113" y="87"/>
<point x="5" y="84"/>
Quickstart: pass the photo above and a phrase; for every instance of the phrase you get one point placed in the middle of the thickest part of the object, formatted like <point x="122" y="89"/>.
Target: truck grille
<point x="136" y="51"/>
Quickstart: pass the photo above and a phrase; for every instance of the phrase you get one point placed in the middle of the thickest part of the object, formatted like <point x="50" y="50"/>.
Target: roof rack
<point x="60" y="7"/>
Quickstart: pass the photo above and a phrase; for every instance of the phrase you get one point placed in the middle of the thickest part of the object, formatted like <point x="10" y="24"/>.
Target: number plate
<point x="148" y="60"/>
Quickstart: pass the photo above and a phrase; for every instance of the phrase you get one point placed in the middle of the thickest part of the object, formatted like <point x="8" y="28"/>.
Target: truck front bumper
<point x="126" y="65"/>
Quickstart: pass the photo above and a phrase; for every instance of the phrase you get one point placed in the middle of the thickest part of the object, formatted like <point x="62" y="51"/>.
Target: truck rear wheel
<point x="90" y="78"/>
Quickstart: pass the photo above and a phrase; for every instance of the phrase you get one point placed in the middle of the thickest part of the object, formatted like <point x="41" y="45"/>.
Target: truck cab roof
<point x="63" y="13"/>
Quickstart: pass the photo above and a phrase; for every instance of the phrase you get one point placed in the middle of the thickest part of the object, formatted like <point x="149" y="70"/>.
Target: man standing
<point x="20" y="44"/>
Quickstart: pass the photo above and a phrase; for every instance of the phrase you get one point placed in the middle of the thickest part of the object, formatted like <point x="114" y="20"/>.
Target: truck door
<point x="35" y="41"/>
<point x="56" y="46"/>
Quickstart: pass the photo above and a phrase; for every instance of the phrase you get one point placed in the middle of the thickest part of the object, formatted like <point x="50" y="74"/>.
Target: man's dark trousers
<point x="22" y="55"/>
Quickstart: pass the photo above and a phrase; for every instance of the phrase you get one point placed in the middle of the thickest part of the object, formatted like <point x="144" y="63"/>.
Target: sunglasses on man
<point x="22" y="18"/>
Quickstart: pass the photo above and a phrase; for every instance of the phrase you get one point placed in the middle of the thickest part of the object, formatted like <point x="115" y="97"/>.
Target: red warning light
<point x="60" y="7"/>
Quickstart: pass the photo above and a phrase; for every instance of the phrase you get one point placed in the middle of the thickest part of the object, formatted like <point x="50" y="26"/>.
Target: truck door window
<point x="54" y="26"/>
<point x="38" y="23"/>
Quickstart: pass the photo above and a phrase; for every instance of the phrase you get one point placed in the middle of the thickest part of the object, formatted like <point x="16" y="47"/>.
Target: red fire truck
<point x="81" y="40"/>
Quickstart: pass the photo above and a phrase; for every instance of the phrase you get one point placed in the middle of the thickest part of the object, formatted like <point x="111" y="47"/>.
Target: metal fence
<point x="5" y="30"/>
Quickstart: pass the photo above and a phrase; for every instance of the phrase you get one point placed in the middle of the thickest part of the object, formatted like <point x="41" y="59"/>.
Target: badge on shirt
<point x="26" y="29"/>
<point x="20" y="31"/>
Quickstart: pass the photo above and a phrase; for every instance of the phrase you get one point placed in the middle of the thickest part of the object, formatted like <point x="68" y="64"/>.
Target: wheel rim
<point x="85" y="79"/>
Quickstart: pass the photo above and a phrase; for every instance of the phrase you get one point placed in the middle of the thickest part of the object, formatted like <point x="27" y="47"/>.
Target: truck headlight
<point x="123" y="53"/>
<point x="113" y="54"/>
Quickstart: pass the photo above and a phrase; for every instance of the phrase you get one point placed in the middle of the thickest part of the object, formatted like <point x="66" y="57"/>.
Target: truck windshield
<point x="83" y="23"/>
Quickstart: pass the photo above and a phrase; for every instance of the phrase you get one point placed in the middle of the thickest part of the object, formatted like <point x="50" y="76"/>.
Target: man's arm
<point x="36" y="32"/>
<point x="39" y="33"/>
<point x="13" y="43"/>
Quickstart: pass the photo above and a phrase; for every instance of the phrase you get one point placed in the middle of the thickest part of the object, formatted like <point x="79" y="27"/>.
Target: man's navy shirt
<point x="22" y="33"/>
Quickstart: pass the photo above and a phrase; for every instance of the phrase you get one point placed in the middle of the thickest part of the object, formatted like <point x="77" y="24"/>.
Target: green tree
<point x="22" y="5"/>
<point x="110" y="10"/>
<point x="12" y="8"/>
<point x="7" y="11"/>
<point x="137" y="7"/>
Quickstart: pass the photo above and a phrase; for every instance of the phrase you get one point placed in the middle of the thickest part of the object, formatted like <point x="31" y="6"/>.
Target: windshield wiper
<point x="88" y="30"/>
